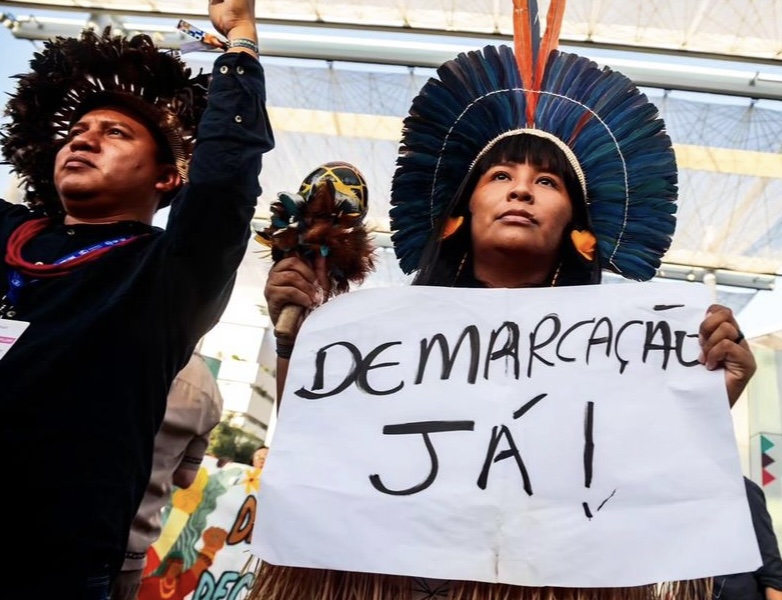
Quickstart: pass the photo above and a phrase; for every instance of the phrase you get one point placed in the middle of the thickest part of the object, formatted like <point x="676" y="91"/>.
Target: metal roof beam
<point x="407" y="48"/>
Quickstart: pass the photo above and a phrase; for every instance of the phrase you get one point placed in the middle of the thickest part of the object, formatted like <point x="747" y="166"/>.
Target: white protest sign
<point x="563" y="437"/>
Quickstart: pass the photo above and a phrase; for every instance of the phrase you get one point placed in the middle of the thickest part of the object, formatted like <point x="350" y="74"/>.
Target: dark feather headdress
<point x="72" y="76"/>
<point x="610" y="132"/>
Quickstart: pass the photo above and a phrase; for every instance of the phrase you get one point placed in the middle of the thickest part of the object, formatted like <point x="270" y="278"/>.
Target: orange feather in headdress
<point x="531" y="51"/>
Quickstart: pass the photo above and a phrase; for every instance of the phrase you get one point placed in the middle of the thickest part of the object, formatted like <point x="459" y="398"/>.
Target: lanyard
<point x="16" y="281"/>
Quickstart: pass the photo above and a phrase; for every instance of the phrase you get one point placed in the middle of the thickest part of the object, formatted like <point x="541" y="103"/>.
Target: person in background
<point x="193" y="409"/>
<point x="766" y="582"/>
<point x="103" y="308"/>
<point x="259" y="457"/>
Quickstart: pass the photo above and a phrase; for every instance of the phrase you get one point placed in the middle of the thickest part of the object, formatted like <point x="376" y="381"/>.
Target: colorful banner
<point x="203" y="550"/>
<point x="767" y="462"/>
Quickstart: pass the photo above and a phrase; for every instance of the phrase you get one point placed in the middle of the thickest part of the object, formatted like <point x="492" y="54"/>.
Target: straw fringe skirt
<point x="293" y="583"/>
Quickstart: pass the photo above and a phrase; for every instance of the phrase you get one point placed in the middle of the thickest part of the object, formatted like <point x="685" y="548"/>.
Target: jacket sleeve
<point x="770" y="573"/>
<point x="209" y="223"/>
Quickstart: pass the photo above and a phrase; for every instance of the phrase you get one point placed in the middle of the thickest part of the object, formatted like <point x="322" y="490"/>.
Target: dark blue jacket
<point x="83" y="391"/>
<point x="752" y="586"/>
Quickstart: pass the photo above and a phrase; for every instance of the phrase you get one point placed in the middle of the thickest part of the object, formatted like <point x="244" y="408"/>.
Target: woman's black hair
<point x="449" y="262"/>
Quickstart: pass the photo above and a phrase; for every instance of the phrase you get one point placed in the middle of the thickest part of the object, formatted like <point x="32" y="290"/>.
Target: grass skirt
<point x="294" y="583"/>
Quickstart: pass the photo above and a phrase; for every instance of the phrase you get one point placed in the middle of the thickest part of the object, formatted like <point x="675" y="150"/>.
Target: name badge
<point x="10" y="332"/>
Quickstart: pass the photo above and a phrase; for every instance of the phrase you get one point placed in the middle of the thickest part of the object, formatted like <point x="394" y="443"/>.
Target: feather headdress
<point x="609" y="131"/>
<point x="72" y="76"/>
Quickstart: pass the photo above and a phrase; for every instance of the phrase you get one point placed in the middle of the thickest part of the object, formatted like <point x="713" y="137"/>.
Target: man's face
<point x="109" y="167"/>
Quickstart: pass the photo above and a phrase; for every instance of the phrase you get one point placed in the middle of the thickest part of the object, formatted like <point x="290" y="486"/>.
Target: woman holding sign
<point x="525" y="168"/>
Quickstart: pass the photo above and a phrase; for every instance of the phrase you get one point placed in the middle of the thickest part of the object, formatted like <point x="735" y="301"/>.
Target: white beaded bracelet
<point x="243" y="43"/>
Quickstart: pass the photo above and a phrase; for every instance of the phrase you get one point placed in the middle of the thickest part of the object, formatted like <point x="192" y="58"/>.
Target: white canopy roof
<point x="330" y="107"/>
<point x="749" y="28"/>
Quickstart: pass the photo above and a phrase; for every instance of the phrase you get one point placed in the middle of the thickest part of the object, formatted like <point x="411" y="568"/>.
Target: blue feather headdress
<point x="598" y="116"/>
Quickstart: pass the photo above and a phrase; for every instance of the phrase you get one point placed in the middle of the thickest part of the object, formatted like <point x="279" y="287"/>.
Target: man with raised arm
<point x="100" y="309"/>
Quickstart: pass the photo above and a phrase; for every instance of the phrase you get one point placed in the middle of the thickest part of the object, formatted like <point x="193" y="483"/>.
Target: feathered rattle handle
<point x="326" y="218"/>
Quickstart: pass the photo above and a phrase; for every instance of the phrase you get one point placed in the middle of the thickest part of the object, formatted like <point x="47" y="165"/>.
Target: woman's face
<point x="516" y="207"/>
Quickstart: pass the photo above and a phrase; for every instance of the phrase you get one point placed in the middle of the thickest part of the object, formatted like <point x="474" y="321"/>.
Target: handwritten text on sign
<point x="533" y="437"/>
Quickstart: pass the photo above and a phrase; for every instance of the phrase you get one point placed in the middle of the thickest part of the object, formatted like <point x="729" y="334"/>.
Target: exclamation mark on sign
<point x="589" y="456"/>
<point x="589" y="443"/>
<point x="589" y="450"/>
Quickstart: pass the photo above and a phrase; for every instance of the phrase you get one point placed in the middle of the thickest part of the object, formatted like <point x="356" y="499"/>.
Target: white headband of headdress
<point x="571" y="157"/>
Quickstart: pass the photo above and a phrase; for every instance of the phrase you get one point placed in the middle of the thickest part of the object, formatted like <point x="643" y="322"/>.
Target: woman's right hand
<point x="724" y="346"/>
<point x="294" y="281"/>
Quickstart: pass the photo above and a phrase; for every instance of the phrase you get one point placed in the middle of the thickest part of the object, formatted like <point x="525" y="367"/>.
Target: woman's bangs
<point x="530" y="149"/>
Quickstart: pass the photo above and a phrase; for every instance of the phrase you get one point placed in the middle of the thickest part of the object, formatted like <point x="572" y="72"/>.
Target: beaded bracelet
<point x="243" y="43"/>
